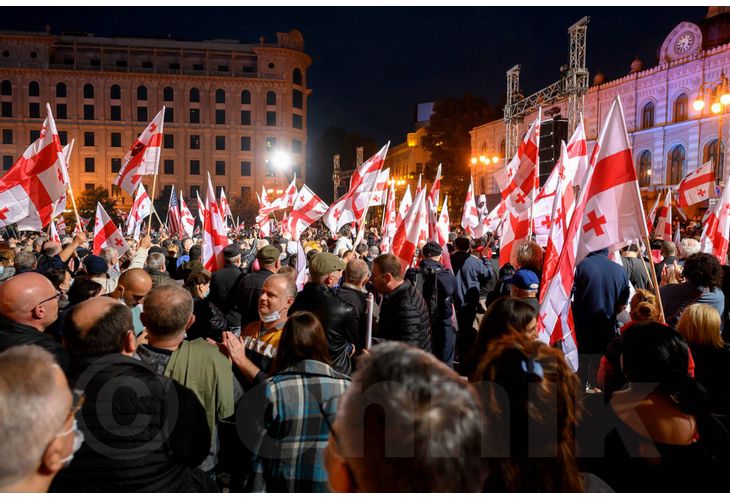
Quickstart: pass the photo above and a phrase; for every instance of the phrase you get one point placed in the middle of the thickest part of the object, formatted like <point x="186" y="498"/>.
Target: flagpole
<point x="154" y="181"/>
<point x="71" y="189"/>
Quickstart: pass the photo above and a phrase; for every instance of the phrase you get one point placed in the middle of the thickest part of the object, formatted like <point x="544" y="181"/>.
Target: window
<point x="194" y="190"/>
<point x="7" y="162"/>
<point x="680" y="108"/>
<point x="116" y="191"/>
<point x="34" y="110"/>
<point x="116" y="165"/>
<point x="245" y="97"/>
<point x="220" y="96"/>
<point x="271" y="118"/>
<point x="245" y="143"/>
<point x="222" y="67"/>
<point x="88" y="138"/>
<point x="709" y="153"/>
<point x="220" y="167"/>
<point x="220" y="116"/>
<point x="89" y="187"/>
<point x="269" y="170"/>
<point x="647" y="116"/>
<point x="95" y="62"/>
<point x="168" y="94"/>
<point x="115" y="92"/>
<point x="61" y="112"/>
<point x="220" y="142"/>
<point x="198" y="67"/>
<point x="194" y="115"/>
<point x="297" y="121"/>
<point x="60" y="89"/>
<point x="297" y="77"/>
<point x="169" y="115"/>
<point x="245" y="117"/>
<point x="168" y="141"/>
<point x="246" y="168"/>
<point x="296" y="146"/>
<point x="297" y="99"/>
<point x="644" y="169"/>
<point x="169" y="166"/>
<point x="6" y="109"/>
<point x="194" y="167"/>
<point x="88" y="111"/>
<point x="88" y="91"/>
<point x="34" y="135"/>
<point x="121" y="63"/>
<point x="245" y="193"/>
<point x="270" y="143"/>
<point x="194" y="142"/>
<point x="141" y="93"/>
<point x="7" y="136"/>
<point x="63" y="136"/>
<point x="174" y="65"/>
<point x="6" y="88"/>
<point x="194" y="95"/>
<point x="116" y="114"/>
<point x="676" y="164"/>
<point x="89" y="165"/>
<point x="502" y="148"/>
<point x="141" y="114"/>
<point x="147" y="64"/>
<point x="68" y="60"/>
<point x="34" y="90"/>
<point x="116" y="139"/>
<point x="271" y="98"/>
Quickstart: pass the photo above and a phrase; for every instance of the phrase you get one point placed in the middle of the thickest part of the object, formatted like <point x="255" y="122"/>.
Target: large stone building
<point x="407" y="160"/>
<point x="231" y="107"/>
<point x="669" y="136"/>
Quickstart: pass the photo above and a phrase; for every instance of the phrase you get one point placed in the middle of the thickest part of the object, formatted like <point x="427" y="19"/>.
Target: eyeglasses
<point x="56" y="296"/>
<point x="328" y="409"/>
<point x="77" y="402"/>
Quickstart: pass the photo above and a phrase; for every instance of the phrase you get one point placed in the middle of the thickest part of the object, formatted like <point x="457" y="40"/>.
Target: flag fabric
<point x="491" y="221"/>
<point x="515" y="230"/>
<point x="35" y="181"/>
<point x="678" y="243"/>
<point x="387" y="230"/>
<point x="697" y="186"/>
<point x="436" y="188"/>
<point x="470" y="215"/>
<point x="380" y="191"/>
<point x="664" y="224"/>
<point x="651" y="216"/>
<point x="173" y="213"/>
<point x="442" y="225"/>
<point x="404" y="206"/>
<point x="418" y="186"/>
<point x="106" y="234"/>
<point x="716" y="230"/>
<point x="214" y="232"/>
<point x="54" y="233"/>
<point x="408" y="234"/>
<point x="143" y="157"/>
<point x="284" y="201"/>
<point x="140" y="209"/>
<point x="353" y="205"/>
<point x="519" y="180"/>
<point x="576" y="166"/>
<point x="60" y="206"/>
<point x="302" y="268"/>
<point x="225" y="207"/>
<point x="187" y="221"/>
<point x="61" y="226"/>
<point x="308" y="208"/>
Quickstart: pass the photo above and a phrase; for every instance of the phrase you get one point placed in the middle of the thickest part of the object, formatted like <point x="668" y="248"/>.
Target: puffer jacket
<point x="337" y="318"/>
<point x="404" y="317"/>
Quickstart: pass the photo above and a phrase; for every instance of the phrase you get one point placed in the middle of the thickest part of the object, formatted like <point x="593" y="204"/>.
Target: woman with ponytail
<point x="657" y="434"/>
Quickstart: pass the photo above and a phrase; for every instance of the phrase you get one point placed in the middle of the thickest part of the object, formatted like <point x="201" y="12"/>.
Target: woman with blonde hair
<point x="699" y="324"/>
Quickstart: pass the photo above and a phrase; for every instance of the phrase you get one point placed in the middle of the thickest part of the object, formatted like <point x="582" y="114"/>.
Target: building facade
<point x="231" y="108"/>
<point x="668" y="135"/>
<point x="407" y="160"/>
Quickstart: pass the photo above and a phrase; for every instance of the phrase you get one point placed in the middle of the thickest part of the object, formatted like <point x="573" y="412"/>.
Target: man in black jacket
<point x="28" y="306"/>
<point x="354" y="293"/>
<point x="337" y="316"/>
<point x="224" y="286"/>
<point x="250" y="285"/>
<point x="403" y="314"/>
<point x="142" y="432"/>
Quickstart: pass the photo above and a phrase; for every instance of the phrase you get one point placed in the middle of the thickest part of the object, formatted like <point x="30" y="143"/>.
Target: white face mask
<point x="78" y="441"/>
<point x="274" y="316"/>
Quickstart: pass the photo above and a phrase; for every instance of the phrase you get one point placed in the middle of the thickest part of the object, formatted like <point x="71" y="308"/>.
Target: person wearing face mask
<point x="209" y="320"/>
<point x="35" y="445"/>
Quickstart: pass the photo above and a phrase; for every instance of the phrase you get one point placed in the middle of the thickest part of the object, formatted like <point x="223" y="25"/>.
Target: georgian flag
<point x="380" y="191"/>
<point x="387" y="230"/>
<point x="436" y="188"/>
<point x="143" y="158"/>
<point x="409" y="233"/>
<point x="214" y="232"/>
<point x="404" y="206"/>
<point x="54" y="233"/>
<point x="651" y="216"/>
<point x="282" y="202"/>
<point x="716" y="231"/>
<point x="140" y="209"/>
<point x="106" y="234"/>
<point x="492" y="220"/>
<point x="697" y="186"/>
<point x="664" y="224"/>
<point x="470" y="214"/>
<point x="186" y="218"/>
<point x="519" y="180"/>
<point x="308" y="208"/>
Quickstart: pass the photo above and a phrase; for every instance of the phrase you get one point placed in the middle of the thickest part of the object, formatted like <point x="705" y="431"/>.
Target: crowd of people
<point x="145" y="372"/>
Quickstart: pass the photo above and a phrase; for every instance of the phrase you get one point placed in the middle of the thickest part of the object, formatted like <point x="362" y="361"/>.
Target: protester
<point x="156" y="267"/>
<point x="669" y="257"/>
<point x="406" y="442"/>
<point x="38" y="429"/>
<point x="354" y="293"/>
<point x="209" y="320"/>
<point x="525" y="284"/>
<point x="187" y="244"/>
<point x="133" y="286"/>
<point x="636" y="267"/>
<point x="251" y="284"/>
<point x="24" y="262"/>
<point x="689" y="246"/>
<point x="224" y="286"/>
<point x="194" y="264"/>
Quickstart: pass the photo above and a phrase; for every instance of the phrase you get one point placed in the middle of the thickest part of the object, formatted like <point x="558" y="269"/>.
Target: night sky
<point x="372" y="65"/>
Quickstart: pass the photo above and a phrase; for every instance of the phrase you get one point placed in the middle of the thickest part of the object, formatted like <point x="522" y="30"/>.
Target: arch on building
<point x="709" y="153"/>
<point x="271" y="98"/>
<point x="643" y="168"/>
<point x="34" y="89"/>
<point x="676" y="164"/>
<point x="220" y="96"/>
<point x="297" y="76"/>
<point x="647" y="115"/>
<point x="6" y="88"/>
<point x="60" y="89"/>
<point x="141" y="93"/>
<point x="245" y="96"/>
<point x="115" y="92"/>
<point x="194" y="94"/>
<point x="680" y="107"/>
<point x="168" y="94"/>
<point x="88" y="91"/>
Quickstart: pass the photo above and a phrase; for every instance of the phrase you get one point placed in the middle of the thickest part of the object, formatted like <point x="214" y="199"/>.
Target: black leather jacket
<point x="404" y="316"/>
<point x="337" y="318"/>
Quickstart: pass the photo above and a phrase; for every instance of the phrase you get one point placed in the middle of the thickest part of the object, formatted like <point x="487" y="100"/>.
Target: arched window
<point x="297" y="76"/>
<point x="141" y="93"/>
<point x="60" y="89"/>
<point x="220" y="96"/>
<point x="271" y="98"/>
<point x="88" y="91"/>
<point x="194" y="95"/>
<point x="34" y="90"/>
<point x="115" y="92"/>
<point x="709" y="153"/>
<point x="245" y="97"/>
<point x="647" y="116"/>
<point x="6" y="88"/>
<point x="680" y="108"/>
<point x="643" y="169"/>
<point x="676" y="163"/>
<point x="502" y="148"/>
<point x="168" y="94"/>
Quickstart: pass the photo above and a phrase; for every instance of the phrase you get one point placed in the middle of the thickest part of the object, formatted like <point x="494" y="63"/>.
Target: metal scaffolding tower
<point x="573" y="86"/>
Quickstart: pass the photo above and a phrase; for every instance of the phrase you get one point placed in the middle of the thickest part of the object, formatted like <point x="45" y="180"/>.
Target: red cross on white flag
<point x="186" y="217"/>
<point x="716" y="231"/>
<point x="106" y="233"/>
<point x="697" y="185"/>
<point x="308" y="208"/>
<point x="143" y="157"/>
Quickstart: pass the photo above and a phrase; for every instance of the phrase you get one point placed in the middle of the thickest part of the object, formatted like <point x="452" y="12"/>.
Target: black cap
<point x="431" y="249"/>
<point x="231" y="251"/>
<point x="156" y="249"/>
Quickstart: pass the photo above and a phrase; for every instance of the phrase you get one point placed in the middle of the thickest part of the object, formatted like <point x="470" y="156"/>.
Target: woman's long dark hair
<point x="302" y="338"/>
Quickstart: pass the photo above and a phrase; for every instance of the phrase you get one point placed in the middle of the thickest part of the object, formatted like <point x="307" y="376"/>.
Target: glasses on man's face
<point x="328" y="409"/>
<point x="56" y="296"/>
<point x="77" y="402"/>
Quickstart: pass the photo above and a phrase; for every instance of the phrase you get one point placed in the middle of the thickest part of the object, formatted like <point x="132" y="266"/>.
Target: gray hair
<point x="109" y="254"/>
<point x="24" y="260"/>
<point x="356" y="271"/>
<point x="155" y="262"/>
<point x="374" y="251"/>
<point x="291" y="286"/>
<point x="32" y="410"/>
<point x="690" y="246"/>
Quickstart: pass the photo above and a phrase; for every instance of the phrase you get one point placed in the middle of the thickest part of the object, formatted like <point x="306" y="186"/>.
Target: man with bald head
<point x="143" y="432"/>
<point x="28" y="306"/>
<point x="131" y="290"/>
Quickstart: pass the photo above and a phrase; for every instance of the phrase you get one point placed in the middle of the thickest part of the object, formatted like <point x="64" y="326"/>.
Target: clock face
<point x="684" y="42"/>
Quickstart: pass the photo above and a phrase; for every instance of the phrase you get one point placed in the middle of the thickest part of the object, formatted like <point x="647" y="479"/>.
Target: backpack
<point x="426" y="282"/>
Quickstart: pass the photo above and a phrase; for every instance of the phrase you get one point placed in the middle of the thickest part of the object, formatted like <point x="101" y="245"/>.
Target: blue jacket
<point x="470" y="273"/>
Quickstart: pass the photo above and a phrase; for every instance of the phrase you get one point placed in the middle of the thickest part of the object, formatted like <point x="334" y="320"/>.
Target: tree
<point x="87" y="200"/>
<point x="246" y="209"/>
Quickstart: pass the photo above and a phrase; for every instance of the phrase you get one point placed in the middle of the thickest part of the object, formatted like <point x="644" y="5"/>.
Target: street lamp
<point x="721" y="98"/>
